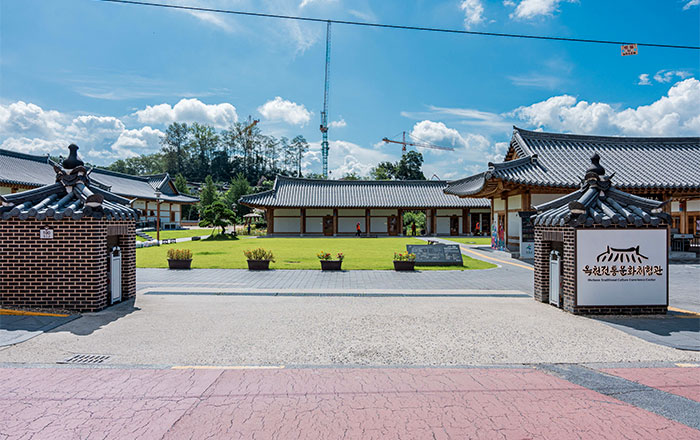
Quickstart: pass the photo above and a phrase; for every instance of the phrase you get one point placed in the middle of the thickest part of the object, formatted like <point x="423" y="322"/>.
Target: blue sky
<point x="111" y="77"/>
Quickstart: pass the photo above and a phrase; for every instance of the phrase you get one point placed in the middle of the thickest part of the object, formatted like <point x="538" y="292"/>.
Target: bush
<point x="179" y="254"/>
<point x="259" y="254"/>
<point x="326" y="256"/>
<point x="404" y="256"/>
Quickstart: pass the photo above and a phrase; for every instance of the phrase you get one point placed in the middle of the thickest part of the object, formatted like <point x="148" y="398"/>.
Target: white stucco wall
<point x="385" y="212"/>
<point x="515" y="202"/>
<point x="314" y="224"/>
<point x="351" y="212"/>
<point x="449" y="212"/>
<point x="513" y="224"/>
<point x="499" y="205"/>
<point x="443" y="225"/>
<point x="538" y="199"/>
<point x="287" y="212"/>
<point x="287" y="225"/>
<point x="694" y="205"/>
<point x="318" y="212"/>
<point x="348" y="224"/>
<point x="378" y="225"/>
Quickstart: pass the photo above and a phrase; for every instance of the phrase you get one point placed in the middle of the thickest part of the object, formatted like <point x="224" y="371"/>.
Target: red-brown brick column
<point x="568" y="276"/>
<point x="66" y="272"/>
<point x="541" y="266"/>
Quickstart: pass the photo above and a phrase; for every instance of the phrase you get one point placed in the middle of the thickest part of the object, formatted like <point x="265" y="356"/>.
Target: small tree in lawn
<point x="218" y="215"/>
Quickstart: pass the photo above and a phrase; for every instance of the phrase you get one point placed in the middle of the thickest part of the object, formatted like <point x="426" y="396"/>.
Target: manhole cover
<point x="85" y="359"/>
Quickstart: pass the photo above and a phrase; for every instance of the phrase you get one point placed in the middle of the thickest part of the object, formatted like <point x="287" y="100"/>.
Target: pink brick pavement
<point x="681" y="381"/>
<point x="371" y="403"/>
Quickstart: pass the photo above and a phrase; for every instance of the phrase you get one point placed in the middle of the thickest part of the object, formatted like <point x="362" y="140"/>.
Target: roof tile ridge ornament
<point x="74" y="177"/>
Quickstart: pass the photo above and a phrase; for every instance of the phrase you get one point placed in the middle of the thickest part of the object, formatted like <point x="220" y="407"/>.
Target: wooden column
<point x="270" y="221"/>
<point x="335" y="222"/>
<point x="302" y="227"/>
<point x="465" y="221"/>
<point x="505" y="223"/>
<point x="367" y="222"/>
<point x="400" y="222"/>
<point x="683" y="206"/>
<point x="526" y="201"/>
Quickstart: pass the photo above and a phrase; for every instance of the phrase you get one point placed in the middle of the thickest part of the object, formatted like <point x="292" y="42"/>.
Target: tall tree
<point x="145" y="164"/>
<point x="204" y="142"/>
<point x="409" y="167"/>
<point x="174" y="147"/>
<point x="383" y="171"/>
<point x="208" y="194"/>
<point x="218" y="215"/>
<point x="299" y="147"/>
<point x="239" y="188"/>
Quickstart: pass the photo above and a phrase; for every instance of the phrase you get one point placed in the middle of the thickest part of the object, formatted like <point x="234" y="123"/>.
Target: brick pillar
<point x="568" y="287"/>
<point x="541" y="265"/>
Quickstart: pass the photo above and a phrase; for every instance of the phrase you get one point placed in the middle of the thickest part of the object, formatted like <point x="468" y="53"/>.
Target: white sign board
<point x="46" y="233"/>
<point x="621" y="267"/>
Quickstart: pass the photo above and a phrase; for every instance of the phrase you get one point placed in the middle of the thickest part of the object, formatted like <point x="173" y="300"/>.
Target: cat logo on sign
<point x="629" y="49"/>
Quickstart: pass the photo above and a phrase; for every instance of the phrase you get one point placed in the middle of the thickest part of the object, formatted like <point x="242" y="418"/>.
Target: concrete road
<point x="552" y="402"/>
<point x="269" y="330"/>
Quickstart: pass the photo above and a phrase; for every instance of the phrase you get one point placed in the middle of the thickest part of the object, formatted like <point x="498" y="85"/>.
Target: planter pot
<point x="404" y="265"/>
<point x="179" y="264"/>
<point x="258" y="264"/>
<point x="331" y="264"/>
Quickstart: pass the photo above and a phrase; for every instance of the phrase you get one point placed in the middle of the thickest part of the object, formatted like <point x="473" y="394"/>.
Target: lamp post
<point x="158" y="217"/>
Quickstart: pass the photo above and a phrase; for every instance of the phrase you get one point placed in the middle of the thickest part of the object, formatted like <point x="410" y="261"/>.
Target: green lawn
<point x="295" y="253"/>
<point x="470" y="240"/>
<point x="178" y="234"/>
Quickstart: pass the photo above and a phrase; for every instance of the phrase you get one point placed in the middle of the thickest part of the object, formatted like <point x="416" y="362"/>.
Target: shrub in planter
<point x="179" y="258"/>
<point x="403" y="261"/>
<point x="259" y="259"/>
<point x="327" y="263"/>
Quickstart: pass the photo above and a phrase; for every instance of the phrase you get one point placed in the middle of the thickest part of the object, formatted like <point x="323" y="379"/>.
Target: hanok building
<point x="540" y="167"/>
<point x="67" y="245"/>
<point x="148" y="194"/>
<point x="297" y="206"/>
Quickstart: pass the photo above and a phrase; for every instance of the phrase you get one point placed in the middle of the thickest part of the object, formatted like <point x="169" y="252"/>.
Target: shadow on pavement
<point x="90" y="322"/>
<point x="19" y="328"/>
<point x="677" y="330"/>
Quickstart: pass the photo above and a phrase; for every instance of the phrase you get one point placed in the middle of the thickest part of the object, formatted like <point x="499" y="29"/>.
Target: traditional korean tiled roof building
<point x="335" y="207"/>
<point x="540" y="167"/>
<point x="21" y="172"/>
<point x="56" y="242"/>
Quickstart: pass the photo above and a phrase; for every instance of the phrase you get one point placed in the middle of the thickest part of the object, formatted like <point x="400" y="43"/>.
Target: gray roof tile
<point x="296" y="192"/>
<point x="557" y="160"/>
<point x="26" y="169"/>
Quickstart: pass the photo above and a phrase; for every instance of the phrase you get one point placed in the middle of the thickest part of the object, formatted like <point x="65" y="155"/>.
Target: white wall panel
<point x="377" y="225"/>
<point x="314" y="224"/>
<point x="499" y="205"/>
<point x="348" y="224"/>
<point x="443" y="225"/>
<point x="515" y="202"/>
<point x="351" y="212"/>
<point x="538" y="199"/>
<point x="287" y="212"/>
<point x="449" y="212"/>
<point x="287" y="225"/>
<point x="386" y="212"/>
<point x="318" y="212"/>
<point x="694" y="205"/>
<point x="514" y="224"/>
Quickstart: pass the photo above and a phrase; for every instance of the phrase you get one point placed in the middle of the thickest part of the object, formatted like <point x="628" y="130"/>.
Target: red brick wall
<point x="67" y="272"/>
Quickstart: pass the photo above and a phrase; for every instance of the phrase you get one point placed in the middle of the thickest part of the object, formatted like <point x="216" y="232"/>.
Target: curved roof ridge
<point x="617" y="139"/>
<point x="361" y="181"/>
<point x="27" y="156"/>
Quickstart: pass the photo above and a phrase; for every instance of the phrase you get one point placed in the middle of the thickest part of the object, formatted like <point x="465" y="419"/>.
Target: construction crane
<point x="416" y="144"/>
<point x="324" y="112"/>
<point x="249" y="128"/>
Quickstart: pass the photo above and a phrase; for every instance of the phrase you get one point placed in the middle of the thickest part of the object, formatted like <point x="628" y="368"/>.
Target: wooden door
<point x="454" y="225"/>
<point x="393" y="225"/>
<point x="328" y="225"/>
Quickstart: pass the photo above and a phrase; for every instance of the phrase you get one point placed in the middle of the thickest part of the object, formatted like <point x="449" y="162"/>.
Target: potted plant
<point x="259" y="259"/>
<point x="403" y="261"/>
<point x="179" y="258"/>
<point x="327" y="263"/>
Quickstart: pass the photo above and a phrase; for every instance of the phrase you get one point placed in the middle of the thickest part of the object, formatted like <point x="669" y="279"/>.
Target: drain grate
<point x="85" y="359"/>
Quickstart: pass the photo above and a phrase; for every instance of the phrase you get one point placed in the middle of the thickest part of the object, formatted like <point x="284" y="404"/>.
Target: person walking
<point x="478" y="227"/>
<point x="358" y="230"/>
<point x="413" y="229"/>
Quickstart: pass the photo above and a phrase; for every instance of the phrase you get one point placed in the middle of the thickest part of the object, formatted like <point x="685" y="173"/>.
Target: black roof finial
<point x="596" y="170"/>
<point x="72" y="161"/>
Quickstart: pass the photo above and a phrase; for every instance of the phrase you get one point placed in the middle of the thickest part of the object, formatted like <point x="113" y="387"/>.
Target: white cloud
<point x="528" y="9"/>
<point x="473" y="12"/>
<point x="644" y="80"/>
<point x="280" y="109"/>
<point x="305" y="3"/>
<point x="189" y="110"/>
<point x="28" y="128"/>
<point x="666" y="76"/>
<point x="538" y="80"/>
<point x="338" y="124"/>
<point x="690" y="4"/>
<point x="345" y="158"/>
<point x="676" y="114"/>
